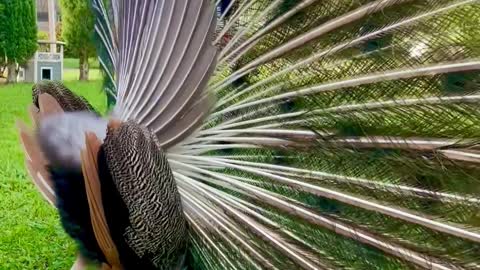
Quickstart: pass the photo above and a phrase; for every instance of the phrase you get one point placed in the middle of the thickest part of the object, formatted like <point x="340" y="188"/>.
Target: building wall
<point x="56" y="69"/>
<point x="30" y="72"/>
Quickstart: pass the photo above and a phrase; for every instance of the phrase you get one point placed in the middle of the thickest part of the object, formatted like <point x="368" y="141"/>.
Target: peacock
<point x="270" y="134"/>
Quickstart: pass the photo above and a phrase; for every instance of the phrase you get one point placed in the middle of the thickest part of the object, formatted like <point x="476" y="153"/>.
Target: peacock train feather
<point x="271" y="134"/>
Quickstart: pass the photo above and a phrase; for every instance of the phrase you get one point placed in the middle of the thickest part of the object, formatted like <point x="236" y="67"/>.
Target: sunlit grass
<point x="74" y="74"/>
<point x="74" y="63"/>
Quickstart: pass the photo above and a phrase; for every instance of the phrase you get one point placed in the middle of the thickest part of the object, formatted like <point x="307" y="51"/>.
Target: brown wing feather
<point x="35" y="163"/>
<point x="67" y="99"/>
<point x="34" y="159"/>
<point x="48" y="105"/>
<point x="34" y="113"/>
<point x="42" y="181"/>
<point x="92" y="185"/>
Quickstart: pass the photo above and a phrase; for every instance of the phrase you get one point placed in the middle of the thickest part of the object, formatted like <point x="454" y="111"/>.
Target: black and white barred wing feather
<point x="344" y="134"/>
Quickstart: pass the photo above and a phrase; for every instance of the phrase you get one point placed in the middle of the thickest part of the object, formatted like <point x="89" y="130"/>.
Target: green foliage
<point x="2" y="33"/>
<point x="2" y="39"/>
<point x="18" y="30"/>
<point x="78" y="27"/>
<point x="42" y="35"/>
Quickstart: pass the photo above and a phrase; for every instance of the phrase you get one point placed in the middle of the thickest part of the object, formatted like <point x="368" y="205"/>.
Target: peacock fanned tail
<point x="281" y="134"/>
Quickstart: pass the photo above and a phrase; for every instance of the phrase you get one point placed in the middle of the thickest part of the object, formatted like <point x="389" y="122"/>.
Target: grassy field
<point x="73" y="74"/>
<point x="74" y="63"/>
<point x="30" y="233"/>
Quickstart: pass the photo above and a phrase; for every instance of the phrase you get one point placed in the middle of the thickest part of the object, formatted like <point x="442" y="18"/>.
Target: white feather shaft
<point x="348" y="44"/>
<point x="368" y="79"/>
<point x="357" y="202"/>
<point x="244" y="6"/>
<point x="202" y="207"/>
<point x="252" y="41"/>
<point x="345" y="230"/>
<point x="319" y="31"/>
<point x="279" y="243"/>
<point x="205" y="236"/>
<point x="254" y="22"/>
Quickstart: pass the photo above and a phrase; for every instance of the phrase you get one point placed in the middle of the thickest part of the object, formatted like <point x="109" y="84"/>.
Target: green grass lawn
<point x="73" y="74"/>
<point x="74" y="63"/>
<point x="31" y="236"/>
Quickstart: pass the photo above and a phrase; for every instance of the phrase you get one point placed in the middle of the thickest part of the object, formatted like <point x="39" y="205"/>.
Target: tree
<point x="18" y="34"/>
<point x="2" y="40"/>
<point x="78" y="30"/>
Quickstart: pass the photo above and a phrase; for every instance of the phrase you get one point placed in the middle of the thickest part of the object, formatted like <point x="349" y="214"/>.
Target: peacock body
<point x="279" y="134"/>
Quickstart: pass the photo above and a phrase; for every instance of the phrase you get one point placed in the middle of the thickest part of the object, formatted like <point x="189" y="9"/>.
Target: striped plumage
<point x="69" y="101"/>
<point x="283" y="134"/>
<point x="157" y="233"/>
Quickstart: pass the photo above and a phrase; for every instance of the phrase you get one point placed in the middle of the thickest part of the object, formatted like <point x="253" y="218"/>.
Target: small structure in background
<point x="47" y="63"/>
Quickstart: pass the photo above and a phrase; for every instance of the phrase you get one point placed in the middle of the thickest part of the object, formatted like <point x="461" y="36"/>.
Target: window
<point x="46" y="73"/>
<point x="42" y="16"/>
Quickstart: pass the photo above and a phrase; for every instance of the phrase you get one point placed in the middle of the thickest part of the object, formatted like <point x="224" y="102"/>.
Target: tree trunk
<point x="12" y="73"/>
<point x="84" y="69"/>
<point x="2" y="71"/>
